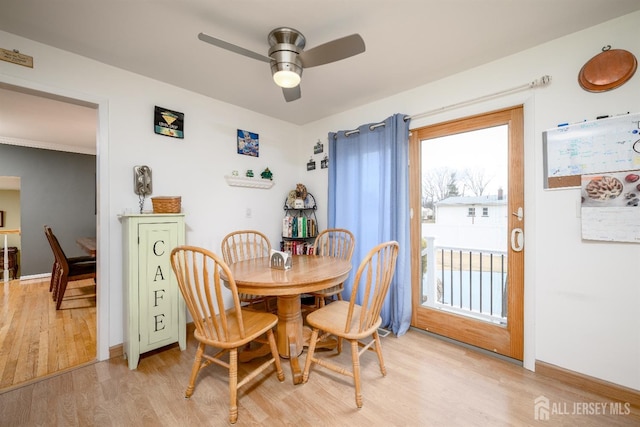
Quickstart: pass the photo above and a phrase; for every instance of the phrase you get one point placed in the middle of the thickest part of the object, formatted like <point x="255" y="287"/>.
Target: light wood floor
<point x="429" y="382"/>
<point x="36" y="339"/>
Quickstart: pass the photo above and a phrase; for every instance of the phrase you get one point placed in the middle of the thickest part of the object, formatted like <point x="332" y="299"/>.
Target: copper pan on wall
<point x="607" y="70"/>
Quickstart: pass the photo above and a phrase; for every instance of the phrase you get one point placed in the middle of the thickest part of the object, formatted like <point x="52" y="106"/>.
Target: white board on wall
<point x="597" y="146"/>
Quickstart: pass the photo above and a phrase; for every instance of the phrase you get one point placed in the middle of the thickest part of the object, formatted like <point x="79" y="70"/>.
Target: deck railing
<point x="467" y="281"/>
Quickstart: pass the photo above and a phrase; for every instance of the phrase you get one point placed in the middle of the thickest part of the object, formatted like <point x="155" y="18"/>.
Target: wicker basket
<point x="167" y="204"/>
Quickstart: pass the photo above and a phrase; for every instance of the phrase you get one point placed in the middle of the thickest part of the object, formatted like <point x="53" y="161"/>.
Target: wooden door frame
<point x="507" y="340"/>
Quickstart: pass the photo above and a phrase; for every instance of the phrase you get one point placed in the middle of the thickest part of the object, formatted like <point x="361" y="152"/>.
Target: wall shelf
<point x="238" y="181"/>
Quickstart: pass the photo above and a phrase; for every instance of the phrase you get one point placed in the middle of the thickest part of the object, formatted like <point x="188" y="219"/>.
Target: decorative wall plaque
<point x="15" y="57"/>
<point x="248" y="143"/>
<point x="168" y="123"/>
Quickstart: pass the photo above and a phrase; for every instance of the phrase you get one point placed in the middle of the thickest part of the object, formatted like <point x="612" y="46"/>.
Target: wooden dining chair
<point x="248" y="244"/>
<point x="334" y="242"/>
<point x="356" y="322"/>
<point x="71" y="260"/>
<point x="226" y="327"/>
<point x="65" y="271"/>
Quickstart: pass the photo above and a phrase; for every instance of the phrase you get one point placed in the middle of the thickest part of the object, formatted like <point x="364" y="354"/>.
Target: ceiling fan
<point x="288" y="57"/>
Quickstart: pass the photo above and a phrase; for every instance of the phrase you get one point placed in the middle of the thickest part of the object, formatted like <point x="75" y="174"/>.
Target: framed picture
<point x="311" y="165"/>
<point x="248" y="143"/>
<point x="168" y="123"/>
<point x="324" y="163"/>
<point x="1" y="218"/>
<point x="318" y="148"/>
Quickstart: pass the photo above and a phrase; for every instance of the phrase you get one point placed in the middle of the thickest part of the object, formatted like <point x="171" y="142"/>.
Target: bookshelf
<point x="299" y="226"/>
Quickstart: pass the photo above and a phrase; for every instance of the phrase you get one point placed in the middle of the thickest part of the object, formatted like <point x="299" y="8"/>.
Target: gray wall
<point x="57" y="189"/>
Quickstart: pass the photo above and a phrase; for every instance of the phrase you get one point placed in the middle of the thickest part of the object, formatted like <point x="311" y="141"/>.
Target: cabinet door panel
<point x="159" y="297"/>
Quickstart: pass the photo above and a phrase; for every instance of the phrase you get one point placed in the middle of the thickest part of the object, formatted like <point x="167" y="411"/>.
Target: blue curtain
<point x="369" y="195"/>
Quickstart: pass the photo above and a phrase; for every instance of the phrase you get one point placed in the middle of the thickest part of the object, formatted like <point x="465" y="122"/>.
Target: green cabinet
<point x="154" y="309"/>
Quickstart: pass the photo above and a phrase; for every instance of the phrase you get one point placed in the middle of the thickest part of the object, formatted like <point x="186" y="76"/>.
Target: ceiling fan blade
<point x="232" y="47"/>
<point x="291" y="93"/>
<point x="333" y="51"/>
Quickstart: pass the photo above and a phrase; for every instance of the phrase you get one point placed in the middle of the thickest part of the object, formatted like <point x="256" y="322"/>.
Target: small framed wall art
<point x="248" y="143"/>
<point x="311" y="164"/>
<point x="168" y="123"/>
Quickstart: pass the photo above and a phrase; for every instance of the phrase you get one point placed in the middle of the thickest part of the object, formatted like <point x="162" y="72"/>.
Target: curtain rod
<point x="372" y="127"/>
<point x="542" y="81"/>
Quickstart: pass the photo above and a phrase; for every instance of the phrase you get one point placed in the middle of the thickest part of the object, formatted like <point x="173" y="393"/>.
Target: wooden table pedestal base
<point x="291" y="337"/>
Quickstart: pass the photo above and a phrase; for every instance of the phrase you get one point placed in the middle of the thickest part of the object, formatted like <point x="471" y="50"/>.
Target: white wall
<point x="581" y="298"/>
<point x="193" y="168"/>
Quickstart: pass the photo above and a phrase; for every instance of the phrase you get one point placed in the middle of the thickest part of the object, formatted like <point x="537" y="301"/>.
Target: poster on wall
<point x="248" y="143"/>
<point x="168" y="123"/>
<point x="610" y="206"/>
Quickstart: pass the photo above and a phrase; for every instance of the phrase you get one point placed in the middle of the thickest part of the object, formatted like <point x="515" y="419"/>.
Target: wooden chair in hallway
<point x="248" y="244"/>
<point x="65" y="269"/>
<point x="222" y="326"/>
<point x="71" y="260"/>
<point x="334" y="242"/>
<point x="356" y="322"/>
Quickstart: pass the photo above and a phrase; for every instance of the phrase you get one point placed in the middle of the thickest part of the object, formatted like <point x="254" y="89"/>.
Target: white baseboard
<point x="35" y="277"/>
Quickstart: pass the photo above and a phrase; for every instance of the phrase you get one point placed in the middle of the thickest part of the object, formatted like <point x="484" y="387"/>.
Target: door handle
<point x="517" y="239"/>
<point x="518" y="214"/>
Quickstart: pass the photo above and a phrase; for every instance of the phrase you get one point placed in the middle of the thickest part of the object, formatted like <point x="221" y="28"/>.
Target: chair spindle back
<point x="199" y="277"/>
<point x="335" y="242"/>
<point x="245" y="244"/>
<point x="372" y="281"/>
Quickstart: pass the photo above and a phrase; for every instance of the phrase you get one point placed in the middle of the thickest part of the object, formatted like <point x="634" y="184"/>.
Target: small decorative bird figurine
<point x="266" y="174"/>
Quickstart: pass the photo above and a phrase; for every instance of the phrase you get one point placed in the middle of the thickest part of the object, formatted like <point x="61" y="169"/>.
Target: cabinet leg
<point x="132" y="360"/>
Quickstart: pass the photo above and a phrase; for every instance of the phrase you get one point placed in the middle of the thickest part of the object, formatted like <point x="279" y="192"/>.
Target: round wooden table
<point x="308" y="274"/>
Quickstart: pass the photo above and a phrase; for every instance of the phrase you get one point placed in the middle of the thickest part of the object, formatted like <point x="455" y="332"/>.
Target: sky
<point x="484" y="149"/>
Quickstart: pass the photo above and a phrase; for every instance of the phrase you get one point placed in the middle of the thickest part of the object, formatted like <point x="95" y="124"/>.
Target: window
<point x="472" y="212"/>
<point x="485" y="211"/>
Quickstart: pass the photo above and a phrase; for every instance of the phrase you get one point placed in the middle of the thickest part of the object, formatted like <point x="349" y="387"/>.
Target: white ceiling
<point x="408" y="44"/>
<point x="9" y="183"/>
<point x="38" y="120"/>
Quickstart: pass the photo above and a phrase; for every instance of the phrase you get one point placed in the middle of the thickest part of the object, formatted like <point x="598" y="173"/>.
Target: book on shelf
<point x="296" y="247"/>
<point x="299" y="227"/>
<point x="302" y="227"/>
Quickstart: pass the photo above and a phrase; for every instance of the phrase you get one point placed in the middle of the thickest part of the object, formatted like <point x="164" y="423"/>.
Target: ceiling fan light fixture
<point x="286" y="78"/>
<point x="286" y="69"/>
